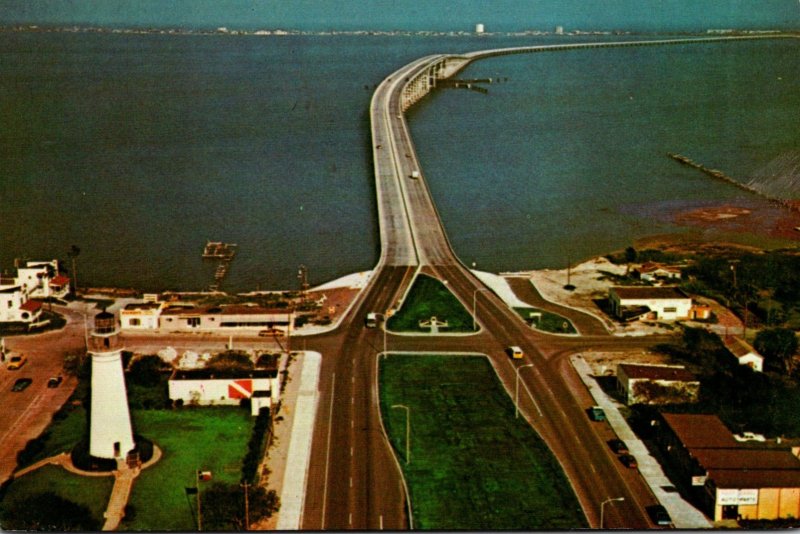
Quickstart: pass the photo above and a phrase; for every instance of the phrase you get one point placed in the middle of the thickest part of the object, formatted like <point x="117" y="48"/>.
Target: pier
<point x="224" y="252"/>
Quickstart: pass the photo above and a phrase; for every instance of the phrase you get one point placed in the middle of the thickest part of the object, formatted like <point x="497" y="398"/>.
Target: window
<point x="671" y="309"/>
<point x="194" y="322"/>
<point x="135" y="322"/>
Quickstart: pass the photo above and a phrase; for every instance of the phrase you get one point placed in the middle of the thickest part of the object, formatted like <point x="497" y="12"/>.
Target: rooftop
<point x="738" y="347"/>
<point x="700" y="431"/>
<point x="756" y="478"/>
<point x="644" y="292"/>
<point x="657" y="372"/>
<point x="222" y="374"/>
<point x="746" y="459"/>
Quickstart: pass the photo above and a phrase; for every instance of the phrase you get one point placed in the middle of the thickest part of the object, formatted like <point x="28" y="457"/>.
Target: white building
<point x="479" y="29"/>
<point x="224" y="318"/>
<point x="656" y="384"/>
<point x="212" y="387"/>
<point x="651" y="303"/>
<point x="140" y="316"/>
<point x="42" y="279"/>
<point x="657" y="272"/>
<point x="744" y="353"/>
<point x="15" y="306"/>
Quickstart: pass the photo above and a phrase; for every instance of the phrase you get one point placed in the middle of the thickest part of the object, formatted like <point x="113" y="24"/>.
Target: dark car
<point x="55" y="381"/>
<point x="659" y="515"/>
<point x="21" y="383"/>
<point x="618" y="446"/>
<point x="629" y="461"/>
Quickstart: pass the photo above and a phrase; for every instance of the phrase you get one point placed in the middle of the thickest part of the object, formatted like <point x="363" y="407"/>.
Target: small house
<point x="656" y="384"/>
<point x="650" y="303"/>
<point x="744" y="353"/>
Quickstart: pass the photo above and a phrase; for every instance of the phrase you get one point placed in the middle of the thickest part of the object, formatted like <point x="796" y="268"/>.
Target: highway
<point x="354" y="479"/>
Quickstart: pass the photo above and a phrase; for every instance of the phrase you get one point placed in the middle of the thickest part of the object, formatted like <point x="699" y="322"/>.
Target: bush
<point x="255" y="448"/>
<point x="48" y="511"/>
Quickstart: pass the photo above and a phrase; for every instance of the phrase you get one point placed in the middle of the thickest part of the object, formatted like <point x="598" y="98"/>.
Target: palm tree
<point x="73" y="253"/>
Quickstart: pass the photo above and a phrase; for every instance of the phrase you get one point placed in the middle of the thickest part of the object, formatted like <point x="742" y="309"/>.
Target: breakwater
<point x="719" y="175"/>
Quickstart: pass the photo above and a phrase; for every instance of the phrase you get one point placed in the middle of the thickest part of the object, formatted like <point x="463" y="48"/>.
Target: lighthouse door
<point x="116" y="449"/>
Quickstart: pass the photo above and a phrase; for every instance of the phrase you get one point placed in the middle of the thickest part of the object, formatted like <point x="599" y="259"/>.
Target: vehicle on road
<point x="596" y="413"/>
<point x="21" y="383"/>
<point x="15" y="362"/>
<point x="629" y="461"/>
<point x="415" y="174"/>
<point x="659" y="515"/>
<point x="515" y="352"/>
<point x="271" y="332"/>
<point x="372" y="320"/>
<point x="55" y="381"/>
<point x="618" y="446"/>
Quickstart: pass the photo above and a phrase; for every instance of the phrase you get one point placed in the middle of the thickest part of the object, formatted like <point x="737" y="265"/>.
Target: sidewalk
<point x="684" y="515"/>
<point x="299" y="455"/>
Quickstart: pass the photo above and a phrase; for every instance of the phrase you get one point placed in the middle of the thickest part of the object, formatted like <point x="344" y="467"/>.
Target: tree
<point x="223" y="506"/>
<point x="777" y="345"/>
<point x="48" y="511"/>
<point x="630" y="257"/>
<point x="146" y="370"/>
<point x="230" y="360"/>
<point x="73" y="253"/>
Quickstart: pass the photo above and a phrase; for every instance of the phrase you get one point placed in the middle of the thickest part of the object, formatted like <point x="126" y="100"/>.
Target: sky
<point x="410" y="15"/>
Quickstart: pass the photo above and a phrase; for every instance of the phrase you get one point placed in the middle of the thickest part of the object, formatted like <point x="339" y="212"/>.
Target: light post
<point x="474" y="306"/>
<point x="516" y="389"/>
<point x="408" y="429"/>
<point x="604" y="503"/>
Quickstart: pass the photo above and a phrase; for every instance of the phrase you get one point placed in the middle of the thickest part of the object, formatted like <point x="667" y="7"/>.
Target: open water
<point x="139" y="148"/>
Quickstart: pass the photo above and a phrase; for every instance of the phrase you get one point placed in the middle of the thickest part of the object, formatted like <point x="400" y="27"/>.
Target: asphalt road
<point x="354" y="480"/>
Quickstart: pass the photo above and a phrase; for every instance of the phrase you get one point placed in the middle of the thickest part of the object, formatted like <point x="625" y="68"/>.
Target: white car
<point x="749" y="436"/>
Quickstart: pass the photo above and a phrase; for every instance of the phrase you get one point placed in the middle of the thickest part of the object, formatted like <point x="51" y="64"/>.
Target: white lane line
<point x="352" y="379"/>
<point x="351" y="482"/>
<point x="381" y="521"/>
<point x="328" y="453"/>
<point x="351" y="451"/>
<point x="350" y="518"/>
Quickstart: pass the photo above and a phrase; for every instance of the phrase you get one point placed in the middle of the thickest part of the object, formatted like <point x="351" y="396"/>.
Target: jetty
<point x="217" y="250"/>
<point x="719" y="175"/>
<point x="224" y="252"/>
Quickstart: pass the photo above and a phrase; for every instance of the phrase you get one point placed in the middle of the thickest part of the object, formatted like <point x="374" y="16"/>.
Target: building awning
<point x="59" y="281"/>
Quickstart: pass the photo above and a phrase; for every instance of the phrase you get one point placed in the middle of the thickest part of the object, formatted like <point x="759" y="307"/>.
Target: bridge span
<point x="354" y="480"/>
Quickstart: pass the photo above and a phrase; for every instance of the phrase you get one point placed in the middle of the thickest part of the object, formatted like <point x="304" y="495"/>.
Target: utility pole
<point x="199" y="511"/>
<point x="245" y="485"/>
<point x="302" y="275"/>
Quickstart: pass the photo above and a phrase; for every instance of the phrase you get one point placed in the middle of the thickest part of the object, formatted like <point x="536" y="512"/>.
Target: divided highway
<point x="354" y="480"/>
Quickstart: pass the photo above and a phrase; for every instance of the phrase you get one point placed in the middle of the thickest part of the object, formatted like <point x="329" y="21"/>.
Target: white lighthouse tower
<point x="110" y="432"/>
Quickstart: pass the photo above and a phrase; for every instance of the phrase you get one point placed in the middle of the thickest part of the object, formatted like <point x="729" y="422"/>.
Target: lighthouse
<point x="110" y="432"/>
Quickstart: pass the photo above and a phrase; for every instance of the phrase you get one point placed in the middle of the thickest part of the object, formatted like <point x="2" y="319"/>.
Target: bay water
<point x="140" y="148"/>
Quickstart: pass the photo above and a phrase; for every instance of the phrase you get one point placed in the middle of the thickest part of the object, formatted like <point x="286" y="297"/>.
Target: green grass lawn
<point x="428" y="298"/>
<point x="547" y="322"/>
<point x="473" y="465"/>
<point x="92" y="492"/>
<point x="213" y="439"/>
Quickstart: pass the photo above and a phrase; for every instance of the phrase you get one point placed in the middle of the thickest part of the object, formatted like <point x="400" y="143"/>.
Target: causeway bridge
<point x="354" y="479"/>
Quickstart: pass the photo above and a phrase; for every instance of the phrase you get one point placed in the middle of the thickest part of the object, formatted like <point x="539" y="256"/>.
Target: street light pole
<point x="408" y="429"/>
<point x="604" y="503"/>
<point x="474" y="306"/>
<point x="516" y="389"/>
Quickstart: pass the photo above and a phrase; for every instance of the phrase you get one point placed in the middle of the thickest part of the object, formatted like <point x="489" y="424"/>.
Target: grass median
<point x="546" y="321"/>
<point x="473" y="465"/>
<point x="428" y="298"/>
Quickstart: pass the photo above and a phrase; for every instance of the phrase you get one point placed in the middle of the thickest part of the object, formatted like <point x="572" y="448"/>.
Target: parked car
<point x="596" y="413"/>
<point x="618" y="446"/>
<point x="55" y="381"/>
<point x="15" y="362"/>
<point x="21" y="384"/>
<point x="273" y="332"/>
<point x="628" y="460"/>
<point x="659" y="515"/>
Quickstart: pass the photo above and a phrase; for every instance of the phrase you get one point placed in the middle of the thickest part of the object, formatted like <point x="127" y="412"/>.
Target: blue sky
<point x="440" y="15"/>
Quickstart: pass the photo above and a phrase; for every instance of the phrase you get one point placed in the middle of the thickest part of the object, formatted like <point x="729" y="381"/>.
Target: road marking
<point x="328" y="453"/>
<point x="381" y="521"/>
<point x="352" y="400"/>
<point x="351" y="482"/>
<point x="351" y="451"/>
<point x="350" y="518"/>
<point x="352" y="379"/>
